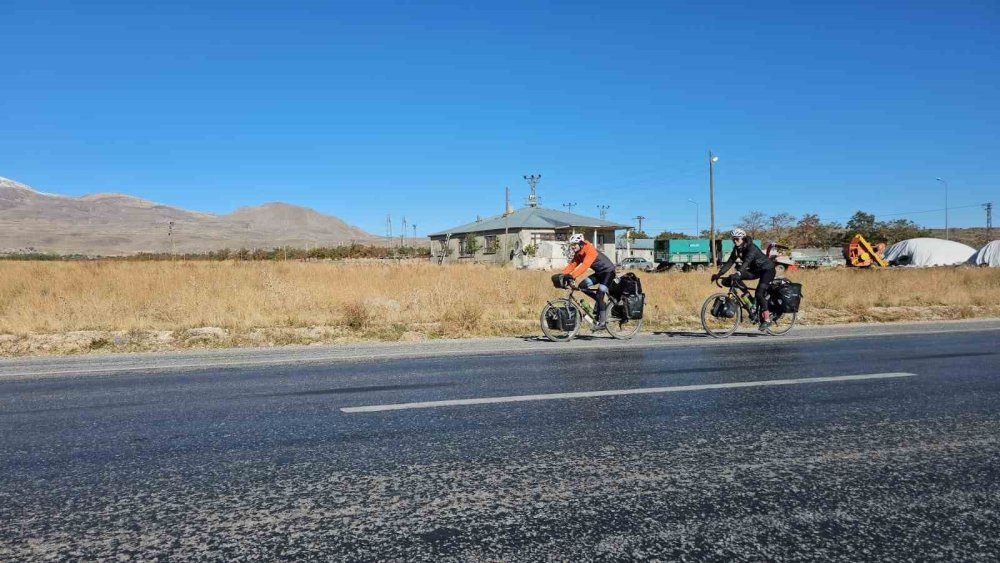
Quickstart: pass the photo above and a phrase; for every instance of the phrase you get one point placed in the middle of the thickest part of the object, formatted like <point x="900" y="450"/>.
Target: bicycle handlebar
<point x="740" y="283"/>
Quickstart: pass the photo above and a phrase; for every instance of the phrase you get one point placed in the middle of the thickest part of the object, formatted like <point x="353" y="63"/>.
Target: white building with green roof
<point x="497" y="239"/>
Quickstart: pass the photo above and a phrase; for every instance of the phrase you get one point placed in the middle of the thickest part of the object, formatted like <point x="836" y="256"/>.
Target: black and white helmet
<point x="577" y="238"/>
<point x="738" y="233"/>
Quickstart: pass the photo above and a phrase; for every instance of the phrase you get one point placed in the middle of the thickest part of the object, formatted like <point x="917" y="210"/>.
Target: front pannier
<point x="723" y="308"/>
<point x="785" y="296"/>
<point x="552" y="318"/>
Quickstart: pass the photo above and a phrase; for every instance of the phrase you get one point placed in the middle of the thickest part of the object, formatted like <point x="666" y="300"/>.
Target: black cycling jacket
<point x="754" y="260"/>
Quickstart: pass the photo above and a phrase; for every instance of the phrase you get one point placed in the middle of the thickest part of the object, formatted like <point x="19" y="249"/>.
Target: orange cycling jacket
<point x="588" y="257"/>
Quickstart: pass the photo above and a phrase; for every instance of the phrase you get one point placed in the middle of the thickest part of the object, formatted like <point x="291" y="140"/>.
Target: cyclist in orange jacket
<point x="586" y="255"/>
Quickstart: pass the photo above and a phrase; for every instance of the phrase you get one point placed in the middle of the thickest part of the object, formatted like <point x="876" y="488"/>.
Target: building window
<point x="600" y="238"/>
<point x="491" y="244"/>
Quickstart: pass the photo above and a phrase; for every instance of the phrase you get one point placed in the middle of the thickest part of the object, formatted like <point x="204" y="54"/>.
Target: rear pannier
<point x="628" y="289"/>
<point x="785" y="296"/>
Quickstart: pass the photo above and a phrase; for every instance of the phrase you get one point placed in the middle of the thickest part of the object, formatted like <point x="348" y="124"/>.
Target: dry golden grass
<point x="161" y="305"/>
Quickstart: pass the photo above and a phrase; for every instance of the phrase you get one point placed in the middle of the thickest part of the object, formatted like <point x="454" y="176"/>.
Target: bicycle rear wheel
<point x="620" y="326"/>
<point x="781" y="323"/>
<point x="720" y="327"/>
<point x="554" y="331"/>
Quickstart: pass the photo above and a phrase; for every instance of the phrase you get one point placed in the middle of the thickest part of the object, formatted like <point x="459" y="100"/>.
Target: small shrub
<point x="356" y="315"/>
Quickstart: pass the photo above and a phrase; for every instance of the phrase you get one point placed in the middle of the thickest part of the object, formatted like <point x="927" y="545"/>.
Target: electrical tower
<point x="532" y="182"/>
<point x="170" y="235"/>
<point x="604" y="211"/>
<point x="989" y="220"/>
<point x="388" y="230"/>
<point x="569" y="206"/>
<point x="402" y="233"/>
<point x="414" y="230"/>
<point x="640" y="219"/>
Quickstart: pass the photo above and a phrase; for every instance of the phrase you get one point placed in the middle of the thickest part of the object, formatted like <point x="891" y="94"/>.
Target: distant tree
<point x="472" y="245"/>
<point x="863" y="224"/>
<point x="811" y="232"/>
<point x="892" y="232"/>
<point x="665" y="235"/>
<point x="638" y="234"/>
<point x="781" y="225"/>
<point x="754" y="223"/>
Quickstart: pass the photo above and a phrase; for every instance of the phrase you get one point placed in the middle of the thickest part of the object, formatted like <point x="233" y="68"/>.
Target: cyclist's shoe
<point x="602" y="321"/>
<point x="764" y="325"/>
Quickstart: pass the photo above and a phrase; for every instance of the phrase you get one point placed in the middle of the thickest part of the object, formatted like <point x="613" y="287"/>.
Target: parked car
<point x="637" y="263"/>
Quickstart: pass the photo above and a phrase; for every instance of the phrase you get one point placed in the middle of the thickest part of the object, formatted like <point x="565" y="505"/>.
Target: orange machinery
<point x="861" y="254"/>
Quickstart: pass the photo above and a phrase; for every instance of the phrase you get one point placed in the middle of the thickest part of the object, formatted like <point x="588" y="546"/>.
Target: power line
<point x="569" y="206"/>
<point x="639" y="218"/>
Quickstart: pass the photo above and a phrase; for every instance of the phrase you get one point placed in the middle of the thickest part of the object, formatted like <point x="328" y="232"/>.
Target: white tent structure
<point x="928" y="252"/>
<point x="988" y="255"/>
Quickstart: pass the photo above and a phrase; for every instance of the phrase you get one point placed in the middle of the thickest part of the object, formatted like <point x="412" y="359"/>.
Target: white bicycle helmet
<point x="738" y="233"/>
<point x="577" y="238"/>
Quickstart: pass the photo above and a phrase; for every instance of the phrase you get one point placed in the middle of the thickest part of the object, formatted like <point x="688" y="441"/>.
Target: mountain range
<point x="109" y="224"/>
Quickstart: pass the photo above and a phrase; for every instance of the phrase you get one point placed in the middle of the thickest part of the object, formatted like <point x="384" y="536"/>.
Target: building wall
<point x="526" y="237"/>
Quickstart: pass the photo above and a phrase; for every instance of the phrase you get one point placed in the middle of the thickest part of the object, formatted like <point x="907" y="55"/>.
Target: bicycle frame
<point x="589" y="317"/>
<point x="739" y="290"/>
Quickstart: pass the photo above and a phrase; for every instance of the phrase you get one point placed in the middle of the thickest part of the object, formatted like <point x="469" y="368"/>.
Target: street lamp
<point x="697" y="213"/>
<point x="945" y="207"/>
<point x="712" y="159"/>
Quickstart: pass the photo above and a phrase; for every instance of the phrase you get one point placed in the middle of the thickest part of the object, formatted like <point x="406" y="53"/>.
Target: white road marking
<point x="617" y="392"/>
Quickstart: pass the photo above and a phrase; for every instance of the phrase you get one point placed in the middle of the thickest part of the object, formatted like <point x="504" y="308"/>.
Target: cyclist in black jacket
<point x="755" y="266"/>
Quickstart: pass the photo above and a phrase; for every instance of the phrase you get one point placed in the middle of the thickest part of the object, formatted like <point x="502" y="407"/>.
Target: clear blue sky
<point x="429" y="109"/>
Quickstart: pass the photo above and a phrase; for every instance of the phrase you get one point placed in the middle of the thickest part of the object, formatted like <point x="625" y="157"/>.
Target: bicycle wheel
<point x="720" y="327"/>
<point x="620" y="326"/>
<point x="557" y="308"/>
<point x="781" y="323"/>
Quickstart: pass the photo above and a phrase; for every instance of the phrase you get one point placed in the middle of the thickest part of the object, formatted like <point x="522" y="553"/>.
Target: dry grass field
<point x="73" y="307"/>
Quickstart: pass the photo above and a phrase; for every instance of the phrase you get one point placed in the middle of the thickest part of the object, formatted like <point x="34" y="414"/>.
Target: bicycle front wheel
<point x="720" y="327"/>
<point x="781" y="323"/>
<point x="620" y="326"/>
<point x="555" y="330"/>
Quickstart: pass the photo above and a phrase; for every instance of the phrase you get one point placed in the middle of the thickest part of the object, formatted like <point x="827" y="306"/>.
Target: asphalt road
<point x="824" y="446"/>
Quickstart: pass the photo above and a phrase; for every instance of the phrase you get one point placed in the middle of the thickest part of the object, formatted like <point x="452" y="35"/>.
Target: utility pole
<point x="388" y="231"/>
<point x="507" y="210"/>
<point x="402" y="234"/>
<point x="170" y="235"/>
<point x="639" y="218"/>
<point x="604" y="211"/>
<point x="414" y="230"/>
<point x="712" y="159"/>
<point x="989" y="220"/>
<point x="533" y="181"/>
<point x="569" y="206"/>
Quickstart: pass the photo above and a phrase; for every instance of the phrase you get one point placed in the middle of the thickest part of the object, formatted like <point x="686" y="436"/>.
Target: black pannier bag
<point x="633" y="305"/>
<point x="567" y="318"/>
<point x="785" y="296"/>
<point x="723" y="308"/>
<point x="628" y="290"/>
<point x="627" y="284"/>
<point x="552" y="319"/>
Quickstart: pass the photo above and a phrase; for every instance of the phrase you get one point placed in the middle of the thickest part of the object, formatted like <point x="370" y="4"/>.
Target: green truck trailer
<point x="690" y="254"/>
